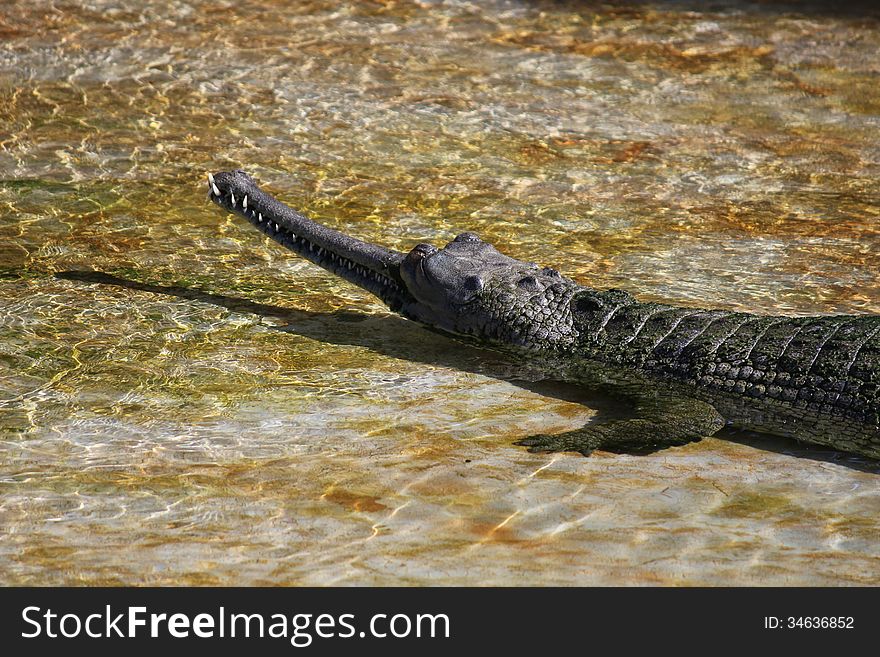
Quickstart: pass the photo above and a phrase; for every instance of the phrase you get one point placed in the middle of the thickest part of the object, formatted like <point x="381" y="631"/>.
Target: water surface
<point x="208" y="409"/>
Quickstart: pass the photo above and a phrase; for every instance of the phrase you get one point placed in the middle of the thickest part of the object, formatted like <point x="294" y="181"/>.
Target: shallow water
<point x="208" y="409"/>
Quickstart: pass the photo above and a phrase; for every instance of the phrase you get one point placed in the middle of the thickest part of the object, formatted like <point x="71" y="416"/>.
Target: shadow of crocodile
<point x="396" y="337"/>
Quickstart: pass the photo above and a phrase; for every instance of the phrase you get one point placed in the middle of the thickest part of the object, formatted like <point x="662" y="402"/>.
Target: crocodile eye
<point x="473" y="284"/>
<point x="527" y="283"/>
<point x="467" y="237"/>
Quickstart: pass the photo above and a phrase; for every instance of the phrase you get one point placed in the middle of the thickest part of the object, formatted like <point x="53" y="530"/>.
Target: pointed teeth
<point x="244" y="202"/>
<point x="214" y="189"/>
<point x="260" y="217"/>
<point x="211" y="179"/>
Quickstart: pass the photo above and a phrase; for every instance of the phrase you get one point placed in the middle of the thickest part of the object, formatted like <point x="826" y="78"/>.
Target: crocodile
<point x="684" y="372"/>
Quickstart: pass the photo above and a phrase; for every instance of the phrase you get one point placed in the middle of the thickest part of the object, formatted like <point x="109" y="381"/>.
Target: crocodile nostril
<point x="421" y="251"/>
<point x="467" y="237"/>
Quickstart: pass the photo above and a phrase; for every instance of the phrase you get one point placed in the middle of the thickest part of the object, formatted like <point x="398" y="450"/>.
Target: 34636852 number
<point x="809" y="622"/>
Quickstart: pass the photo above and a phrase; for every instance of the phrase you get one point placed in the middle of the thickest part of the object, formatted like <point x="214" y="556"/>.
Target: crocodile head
<point x="467" y="288"/>
<point x="471" y="289"/>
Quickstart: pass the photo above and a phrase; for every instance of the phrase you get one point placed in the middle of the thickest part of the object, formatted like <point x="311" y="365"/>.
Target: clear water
<point x="211" y="410"/>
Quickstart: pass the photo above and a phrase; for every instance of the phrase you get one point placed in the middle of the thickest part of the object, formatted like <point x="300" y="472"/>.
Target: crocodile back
<point x="798" y="376"/>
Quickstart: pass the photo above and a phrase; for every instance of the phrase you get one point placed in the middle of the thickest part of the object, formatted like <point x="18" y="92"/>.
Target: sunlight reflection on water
<point x="286" y="429"/>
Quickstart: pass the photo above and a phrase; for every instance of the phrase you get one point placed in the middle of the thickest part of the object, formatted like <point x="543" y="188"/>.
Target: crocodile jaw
<point x="368" y="266"/>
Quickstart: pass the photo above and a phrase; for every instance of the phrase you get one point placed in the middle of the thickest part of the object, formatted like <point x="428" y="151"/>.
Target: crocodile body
<point x="814" y="379"/>
<point x="686" y="371"/>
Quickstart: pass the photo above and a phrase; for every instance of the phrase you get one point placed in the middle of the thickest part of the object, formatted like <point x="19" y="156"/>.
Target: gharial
<point x="686" y="372"/>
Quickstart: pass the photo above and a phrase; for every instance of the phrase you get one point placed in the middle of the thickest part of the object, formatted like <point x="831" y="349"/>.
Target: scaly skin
<point x="686" y="371"/>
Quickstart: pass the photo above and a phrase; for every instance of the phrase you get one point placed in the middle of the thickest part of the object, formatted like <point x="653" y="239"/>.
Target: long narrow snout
<point x="371" y="267"/>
